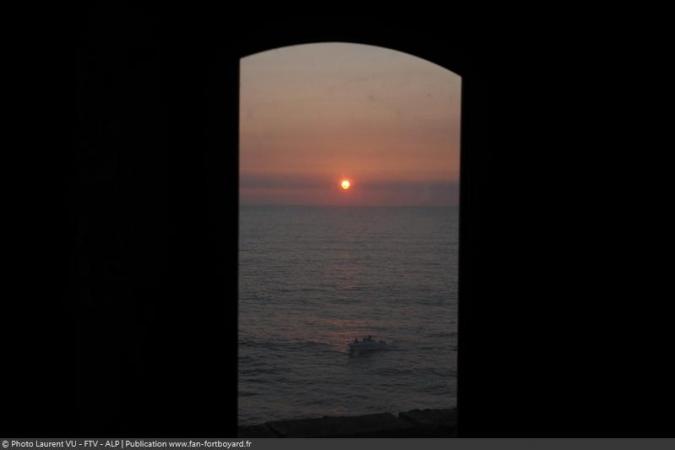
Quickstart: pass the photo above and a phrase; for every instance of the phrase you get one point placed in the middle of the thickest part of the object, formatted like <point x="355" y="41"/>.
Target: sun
<point x="345" y="184"/>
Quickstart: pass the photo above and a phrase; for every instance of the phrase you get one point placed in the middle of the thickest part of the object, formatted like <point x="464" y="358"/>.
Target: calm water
<point x="312" y="279"/>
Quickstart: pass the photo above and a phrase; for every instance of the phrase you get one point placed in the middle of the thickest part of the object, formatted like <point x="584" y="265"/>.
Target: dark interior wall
<point x="153" y="205"/>
<point x="131" y="286"/>
<point x="154" y="275"/>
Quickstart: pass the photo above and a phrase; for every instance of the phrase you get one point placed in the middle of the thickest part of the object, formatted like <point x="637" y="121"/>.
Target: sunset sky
<point x="314" y="115"/>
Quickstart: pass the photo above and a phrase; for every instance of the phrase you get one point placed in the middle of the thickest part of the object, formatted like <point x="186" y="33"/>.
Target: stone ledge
<point x="257" y="431"/>
<point x="415" y="423"/>
<point x="432" y="421"/>
<point x="356" y="426"/>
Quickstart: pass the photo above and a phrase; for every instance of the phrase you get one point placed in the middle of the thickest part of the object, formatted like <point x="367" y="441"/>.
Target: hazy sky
<point x="312" y="115"/>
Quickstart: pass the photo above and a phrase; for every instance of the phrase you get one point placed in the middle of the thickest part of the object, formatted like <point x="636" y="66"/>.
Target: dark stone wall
<point x="151" y="208"/>
<point x="153" y="203"/>
<point x="126" y="193"/>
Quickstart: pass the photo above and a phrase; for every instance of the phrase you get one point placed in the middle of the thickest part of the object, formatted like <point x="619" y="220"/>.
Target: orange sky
<point x="311" y="115"/>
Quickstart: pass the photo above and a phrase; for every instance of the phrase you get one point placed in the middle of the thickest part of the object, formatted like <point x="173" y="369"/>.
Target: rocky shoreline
<point x="414" y="423"/>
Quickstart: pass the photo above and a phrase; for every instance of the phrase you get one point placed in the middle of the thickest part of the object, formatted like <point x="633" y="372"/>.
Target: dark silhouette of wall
<point x="131" y="245"/>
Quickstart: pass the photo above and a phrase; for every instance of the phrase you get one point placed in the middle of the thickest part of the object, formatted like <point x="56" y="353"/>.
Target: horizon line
<point x="341" y="206"/>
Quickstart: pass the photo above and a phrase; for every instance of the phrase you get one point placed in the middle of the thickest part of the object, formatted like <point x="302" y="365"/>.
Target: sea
<point x="311" y="279"/>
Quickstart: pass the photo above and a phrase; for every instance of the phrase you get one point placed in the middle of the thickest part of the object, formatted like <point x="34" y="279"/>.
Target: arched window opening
<point x="348" y="241"/>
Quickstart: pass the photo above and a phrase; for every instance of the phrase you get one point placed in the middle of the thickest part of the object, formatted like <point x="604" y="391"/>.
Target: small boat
<point x="368" y="344"/>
